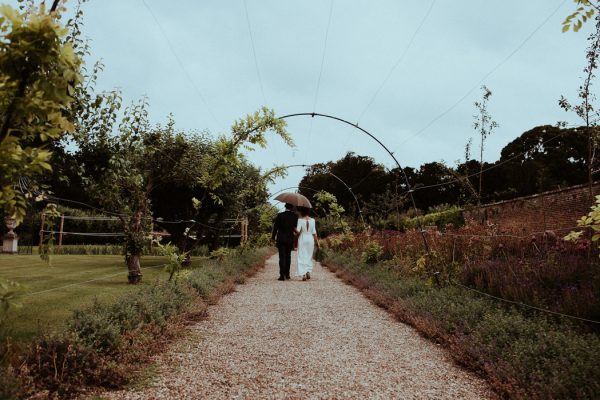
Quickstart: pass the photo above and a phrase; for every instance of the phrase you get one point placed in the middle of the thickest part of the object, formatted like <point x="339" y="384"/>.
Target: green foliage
<point x="592" y="221"/>
<point x="328" y="203"/>
<point x="9" y="291"/>
<point x="372" y="253"/>
<point x="585" y="11"/>
<point x="46" y="247"/>
<point x="219" y="254"/>
<point x="102" y="326"/>
<point x="38" y="76"/>
<point x="246" y="133"/>
<point x="175" y="258"/>
<point x="441" y="220"/>
<point x="523" y="355"/>
<point x="320" y="254"/>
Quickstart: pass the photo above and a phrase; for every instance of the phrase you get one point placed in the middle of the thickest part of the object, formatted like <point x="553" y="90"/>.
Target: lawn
<point x="70" y="282"/>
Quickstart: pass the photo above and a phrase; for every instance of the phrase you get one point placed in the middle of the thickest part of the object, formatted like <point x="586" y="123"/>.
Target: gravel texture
<point x="319" y="339"/>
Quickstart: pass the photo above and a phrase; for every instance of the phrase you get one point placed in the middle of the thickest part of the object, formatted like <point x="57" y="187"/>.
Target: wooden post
<point x="43" y="220"/>
<point x="60" y="232"/>
<point x="244" y="230"/>
<point x="152" y="237"/>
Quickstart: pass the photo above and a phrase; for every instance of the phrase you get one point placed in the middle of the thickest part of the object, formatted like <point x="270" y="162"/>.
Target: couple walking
<point x="287" y="226"/>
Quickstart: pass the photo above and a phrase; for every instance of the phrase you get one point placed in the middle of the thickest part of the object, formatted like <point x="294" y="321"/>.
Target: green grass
<point x="48" y="311"/>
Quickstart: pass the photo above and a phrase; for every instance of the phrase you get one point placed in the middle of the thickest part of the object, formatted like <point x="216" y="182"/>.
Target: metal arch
<point x="408" y="185"/>
<point x="340" y="180"/>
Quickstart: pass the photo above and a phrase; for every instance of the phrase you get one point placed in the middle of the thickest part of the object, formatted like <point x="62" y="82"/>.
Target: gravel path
<point x="295" y="340"/>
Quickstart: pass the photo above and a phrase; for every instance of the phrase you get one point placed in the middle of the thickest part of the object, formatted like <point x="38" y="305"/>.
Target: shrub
<point x="441" y="220"/>
<point x="372" y="253"/>
<point x="61" y="364"/>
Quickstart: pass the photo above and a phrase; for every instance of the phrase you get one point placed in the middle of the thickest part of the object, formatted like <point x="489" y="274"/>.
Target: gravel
<point x="294" y="340"/>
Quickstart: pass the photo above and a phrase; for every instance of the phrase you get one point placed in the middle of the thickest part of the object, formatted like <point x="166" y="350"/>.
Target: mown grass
<point x="523" y="354"/>
<point x="107" y="342"/>
<point x="48" y="311"/>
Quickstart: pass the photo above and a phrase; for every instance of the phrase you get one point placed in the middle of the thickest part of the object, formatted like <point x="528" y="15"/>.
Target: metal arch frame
<point x="408" y="185"/>
<point x="340" y="180"/>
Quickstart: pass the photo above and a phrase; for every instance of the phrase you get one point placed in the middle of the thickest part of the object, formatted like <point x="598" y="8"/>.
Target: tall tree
<point x="143" y="159"/>
<point x="484" y="125"/>
<point x="39" y="72"/>
<point x="586" y="109"/>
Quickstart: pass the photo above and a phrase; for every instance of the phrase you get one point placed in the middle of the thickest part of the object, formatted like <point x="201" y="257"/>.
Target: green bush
<point x="372" y="253"/>
<point x="441" y="219"/>
<point x="102" y="326"/>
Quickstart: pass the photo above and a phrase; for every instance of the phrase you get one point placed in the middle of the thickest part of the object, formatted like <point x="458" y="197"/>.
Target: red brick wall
<point x="557" y="210"/>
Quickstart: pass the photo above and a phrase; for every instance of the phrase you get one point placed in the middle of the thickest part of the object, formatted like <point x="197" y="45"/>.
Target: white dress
<point x="306" y="245"/>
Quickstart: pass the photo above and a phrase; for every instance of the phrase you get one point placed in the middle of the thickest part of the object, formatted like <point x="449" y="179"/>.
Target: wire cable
<point x="504" y="235"/>
<point x="518" y="303"/>
<point x="320" y="75"/>
<point x="398" y="61"/>
<point x="485" y="77"/>
<point x="262" y="90"/>
<point x="98" y="234"/>
<point x="181" y="65"/>
<point x="85" y="282"/>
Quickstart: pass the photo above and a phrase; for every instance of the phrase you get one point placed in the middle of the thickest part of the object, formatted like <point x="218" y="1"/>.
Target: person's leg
<point x="288" y="261"/>
<point x="282" y="260"/>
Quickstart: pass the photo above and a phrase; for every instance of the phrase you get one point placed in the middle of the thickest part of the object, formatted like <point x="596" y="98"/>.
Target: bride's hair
<point x="304" y="211"/>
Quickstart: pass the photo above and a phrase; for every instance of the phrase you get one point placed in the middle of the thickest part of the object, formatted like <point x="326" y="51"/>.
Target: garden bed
<point x="522" y="354"/>
<point x="105" y="344"/>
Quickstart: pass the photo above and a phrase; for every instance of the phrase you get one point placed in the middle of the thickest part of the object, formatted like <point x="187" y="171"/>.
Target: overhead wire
<point x="156" y="220"/>
<point x="316" y="97"/>
<point x="485" y="77"/>
<point x="262" y="90"/>
<point x="181" y="65"/>
<point x="398" y="61"/>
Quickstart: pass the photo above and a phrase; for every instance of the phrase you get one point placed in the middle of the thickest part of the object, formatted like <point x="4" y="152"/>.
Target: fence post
<point x="43" y="221"/>
<point x="60" y="232"/>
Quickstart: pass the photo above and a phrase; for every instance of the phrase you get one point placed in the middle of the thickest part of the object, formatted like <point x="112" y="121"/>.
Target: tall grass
<point x="541" y="270"/>
<point x="524" y="355"/>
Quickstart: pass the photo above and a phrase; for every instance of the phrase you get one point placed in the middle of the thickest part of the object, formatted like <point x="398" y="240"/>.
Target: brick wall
<point x="557" y="210"/>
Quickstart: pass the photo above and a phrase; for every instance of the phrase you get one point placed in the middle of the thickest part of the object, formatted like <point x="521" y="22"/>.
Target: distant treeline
<point x="544" y="158"/>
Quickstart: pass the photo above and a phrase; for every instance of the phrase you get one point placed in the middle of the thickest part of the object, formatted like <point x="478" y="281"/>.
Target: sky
<point x="407" y="71"/>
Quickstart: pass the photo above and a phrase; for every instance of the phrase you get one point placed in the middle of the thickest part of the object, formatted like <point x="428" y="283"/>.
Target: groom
<point x="283" y="229"/>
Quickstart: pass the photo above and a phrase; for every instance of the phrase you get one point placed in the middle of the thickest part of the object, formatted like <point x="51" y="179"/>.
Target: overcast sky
<point x="459" y="44"/>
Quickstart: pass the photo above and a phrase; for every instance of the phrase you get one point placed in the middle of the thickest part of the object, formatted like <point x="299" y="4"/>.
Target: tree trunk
<point x="134" y="247"/>
<point x="590" y="164"/>
<point x="133" y="265"/>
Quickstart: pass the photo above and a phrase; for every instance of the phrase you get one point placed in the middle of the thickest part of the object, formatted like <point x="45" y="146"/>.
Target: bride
<point x="307" y="241"/>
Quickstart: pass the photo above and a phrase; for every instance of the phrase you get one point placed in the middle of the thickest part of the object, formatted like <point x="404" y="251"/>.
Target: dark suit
<point x="283" y="229"/>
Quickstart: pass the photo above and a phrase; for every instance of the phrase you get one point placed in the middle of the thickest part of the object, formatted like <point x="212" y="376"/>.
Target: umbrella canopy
<point x="295" y="199"/>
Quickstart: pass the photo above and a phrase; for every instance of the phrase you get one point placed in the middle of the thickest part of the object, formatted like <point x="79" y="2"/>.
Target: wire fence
<point x="27" y="295"/>
<point x="520" y="304"/>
